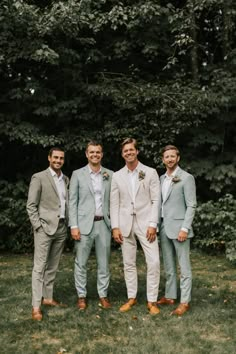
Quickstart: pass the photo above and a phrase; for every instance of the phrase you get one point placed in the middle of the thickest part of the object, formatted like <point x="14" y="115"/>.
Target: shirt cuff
<point x="153" y="224"/>
<point x="184" y="229"/>
<point x="74" y="227"/>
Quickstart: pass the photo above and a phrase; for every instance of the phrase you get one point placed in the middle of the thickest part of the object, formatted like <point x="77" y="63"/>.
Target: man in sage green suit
<point x="89" y="220"/>
<point x="177" y="213"/>
<point x="47" y="209"/>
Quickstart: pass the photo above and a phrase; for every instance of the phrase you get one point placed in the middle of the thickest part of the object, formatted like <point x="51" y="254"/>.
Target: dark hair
<point x="129" y="141"/>
<point x="55" y="148"/>
<point x="170" y="147"/>
<point x="94" y="143"/>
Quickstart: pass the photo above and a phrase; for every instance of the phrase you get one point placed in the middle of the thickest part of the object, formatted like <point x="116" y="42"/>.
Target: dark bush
<point x="214" y="226"/>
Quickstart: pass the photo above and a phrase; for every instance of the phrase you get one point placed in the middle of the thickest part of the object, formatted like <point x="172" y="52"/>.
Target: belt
<point x="98" y="218"/>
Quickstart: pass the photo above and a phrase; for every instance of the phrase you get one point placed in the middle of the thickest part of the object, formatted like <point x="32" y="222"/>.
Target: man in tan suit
<point x="135" y="196"/>
<point x="47" y="209"/>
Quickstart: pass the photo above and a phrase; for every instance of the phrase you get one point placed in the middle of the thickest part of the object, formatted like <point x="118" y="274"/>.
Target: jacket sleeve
<point x="73" y="200"/>
<point x="190" y="201"/>
<point x="32" y="205"/>
<point x="114" y="203"/>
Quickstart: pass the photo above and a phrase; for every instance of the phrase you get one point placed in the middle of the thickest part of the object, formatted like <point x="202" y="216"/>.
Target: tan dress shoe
<point x="128" y="305"/>
<point x="104" y="303"/>
<point x="152" y="308"/>
<point x="181" y="309"/>
<point x="81" y="303"/>
<point x="51" y="302"/>
<point x="165" y="301"/>
<point x="37" y="314"/>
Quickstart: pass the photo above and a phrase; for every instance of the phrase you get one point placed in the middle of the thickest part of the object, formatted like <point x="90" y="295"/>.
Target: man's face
<point x="56" y="160"/>
<point x="94" y="154"/>
<point x="170" y="159"/>
<point x="129" y="153"/>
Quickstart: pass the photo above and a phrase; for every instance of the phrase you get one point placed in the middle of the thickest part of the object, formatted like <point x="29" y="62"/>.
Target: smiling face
<point x="170" y="159"/>
<point x="130" y="154"/>
<point x="56" y="160"/>
<point x="94" y="154"/>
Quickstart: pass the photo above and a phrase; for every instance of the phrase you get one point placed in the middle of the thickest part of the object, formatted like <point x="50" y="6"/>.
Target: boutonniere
<point x="105" y="176"/>
<point x="141" y="175"/>
<point x="176" y="179"/>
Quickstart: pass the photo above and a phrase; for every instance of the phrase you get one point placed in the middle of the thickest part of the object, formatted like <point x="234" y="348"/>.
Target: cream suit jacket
<point x="144" y="204"/>
<point x="43" y="204"/>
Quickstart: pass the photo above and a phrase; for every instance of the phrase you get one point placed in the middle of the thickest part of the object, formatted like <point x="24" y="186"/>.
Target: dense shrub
<point x="214" y="226"/>
<point x="16" y="233"/>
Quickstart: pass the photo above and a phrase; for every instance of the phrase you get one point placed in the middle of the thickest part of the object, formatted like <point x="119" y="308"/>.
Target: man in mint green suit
<point x="177" y="212"/>
<point x="89" y="220"/>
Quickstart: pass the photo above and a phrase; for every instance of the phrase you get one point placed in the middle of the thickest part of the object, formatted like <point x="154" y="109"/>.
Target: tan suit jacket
<point x="43" y="204"/>
<point x="144" y="204"/>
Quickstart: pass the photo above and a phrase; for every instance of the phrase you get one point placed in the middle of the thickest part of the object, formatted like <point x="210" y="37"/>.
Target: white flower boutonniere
<point x="176" y="179"/>
<point x="105" y="176"/>
<point x="141" y="175"/>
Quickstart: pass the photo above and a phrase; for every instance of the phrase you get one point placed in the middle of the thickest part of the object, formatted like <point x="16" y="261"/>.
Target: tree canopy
<point x="160" y="71"/>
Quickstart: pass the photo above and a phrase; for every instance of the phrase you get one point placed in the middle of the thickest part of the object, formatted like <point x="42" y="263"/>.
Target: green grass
<point x="209" y="327"/>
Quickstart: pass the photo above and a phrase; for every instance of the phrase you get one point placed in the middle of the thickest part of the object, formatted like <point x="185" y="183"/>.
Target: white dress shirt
<point x="96" y="178"/>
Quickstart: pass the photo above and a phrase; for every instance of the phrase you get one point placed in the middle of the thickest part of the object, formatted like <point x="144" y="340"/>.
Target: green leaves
<point x="214" y="225"/>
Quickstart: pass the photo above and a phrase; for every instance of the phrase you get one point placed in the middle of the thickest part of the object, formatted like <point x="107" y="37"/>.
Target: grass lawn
<point x="209" y="327"/>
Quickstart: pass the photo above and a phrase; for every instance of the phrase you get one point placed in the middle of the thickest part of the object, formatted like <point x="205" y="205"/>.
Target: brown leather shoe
<point x="165" y="301"/>
<point x="104" y="303"/>
<point x="51" y="302"/>
<point x="37" y="314"/>
<point x="181" y="309"/>
<point x="128" y="305"/>
<point x="152" y="308"/>
<point x="81" y="303"/>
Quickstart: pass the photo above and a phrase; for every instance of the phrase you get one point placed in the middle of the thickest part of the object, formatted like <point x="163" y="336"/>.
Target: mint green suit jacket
<point x="179" y="207"/>
<point x="82" y="200"/>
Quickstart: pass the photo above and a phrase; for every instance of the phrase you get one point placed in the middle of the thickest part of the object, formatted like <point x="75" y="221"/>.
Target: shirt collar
<point x="91" y="171"/>
<point x="173" y="174"/>
<point x="135" y="170"/>
<point x="53" y="173"/>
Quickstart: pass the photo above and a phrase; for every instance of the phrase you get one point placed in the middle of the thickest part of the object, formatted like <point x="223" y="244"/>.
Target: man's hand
<point x="117" y="235"/>
<point x="75" y="233"/>
<point x="151" y="234"/>
<point x="182" y="236"/>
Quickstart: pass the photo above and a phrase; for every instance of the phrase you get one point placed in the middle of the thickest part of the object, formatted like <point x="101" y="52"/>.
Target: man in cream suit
<point x="135" y="195"/>
<point x="177" y="213"/>
<point x="89" y="219"/>
<point x="47" y="209"/>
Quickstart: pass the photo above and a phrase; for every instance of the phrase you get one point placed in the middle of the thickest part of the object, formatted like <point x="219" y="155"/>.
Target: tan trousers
<point x="47" y="253"/>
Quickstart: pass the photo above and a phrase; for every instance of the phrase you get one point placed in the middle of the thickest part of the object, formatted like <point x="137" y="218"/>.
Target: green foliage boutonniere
<point x="105" y="176"/>
<point x="141" y="175"/>
<point x="176" y="179"/>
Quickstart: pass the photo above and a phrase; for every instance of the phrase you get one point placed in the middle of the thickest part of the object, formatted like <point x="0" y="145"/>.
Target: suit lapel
<point x="88" y="178"/>
<point x="179" y="172"/>
<point x="51" y="180"/>
<point x="141" y="167"/>
<point x="126" y="181"/>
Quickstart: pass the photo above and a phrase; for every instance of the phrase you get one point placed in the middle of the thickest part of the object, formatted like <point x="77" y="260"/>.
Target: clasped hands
<point x="182" y="236"/>
<point x="151" y="235"/>
<point x="75" y="233"/>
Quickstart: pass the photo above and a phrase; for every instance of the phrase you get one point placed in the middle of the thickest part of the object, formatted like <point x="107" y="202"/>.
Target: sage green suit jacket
<point x="82" y="200"/>
<point x="180" y="204"/>
<point x="43" y="204"/>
